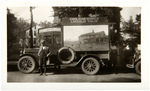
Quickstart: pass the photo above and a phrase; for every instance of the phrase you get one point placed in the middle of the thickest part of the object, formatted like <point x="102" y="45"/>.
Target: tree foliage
<point x="11" y="27"/>
<point x="45" y="24"/>
<point x="138" y="21"/>
<point x="85" y="11"/>
<point x="22" y="25"/>
<point x="16" y="30"/>
<point x="133" y="30"/>
<point x="11" y="36"/>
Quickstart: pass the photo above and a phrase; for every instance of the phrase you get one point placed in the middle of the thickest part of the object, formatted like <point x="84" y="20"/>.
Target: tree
<point x="132" y="31"/>
<point x="22" y="25"/>
<point x="84" y="11"/>
<point x="138" y="23"/>
<point x="11" y="27"/>
<point x="45" y="24"/>
<point x="12" y="32"/>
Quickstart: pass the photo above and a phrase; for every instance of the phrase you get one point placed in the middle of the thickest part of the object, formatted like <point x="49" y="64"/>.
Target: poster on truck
<point x="86" y="37"/>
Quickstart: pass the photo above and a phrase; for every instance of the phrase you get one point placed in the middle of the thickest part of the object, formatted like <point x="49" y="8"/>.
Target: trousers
<point x="42" y="64"/>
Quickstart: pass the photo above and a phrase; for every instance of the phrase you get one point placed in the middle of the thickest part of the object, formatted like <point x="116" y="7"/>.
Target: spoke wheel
<point x="138" y="67"/>
<point x="26" y="64"/>
<point x="90" y="66"/>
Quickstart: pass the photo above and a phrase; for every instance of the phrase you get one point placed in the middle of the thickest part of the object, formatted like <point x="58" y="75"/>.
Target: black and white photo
<point x="69" y="44"/>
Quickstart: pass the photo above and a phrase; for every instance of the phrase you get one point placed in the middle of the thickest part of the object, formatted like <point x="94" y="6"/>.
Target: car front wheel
<point x="26" y="64"/>
<point x="138" y="67"/>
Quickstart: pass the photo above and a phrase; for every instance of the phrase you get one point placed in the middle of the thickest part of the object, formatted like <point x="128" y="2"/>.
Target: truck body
<point x="78" y="42"/>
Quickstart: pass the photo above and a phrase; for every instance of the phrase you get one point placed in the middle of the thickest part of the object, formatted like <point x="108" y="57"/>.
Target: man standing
<point x="43" y="53"/>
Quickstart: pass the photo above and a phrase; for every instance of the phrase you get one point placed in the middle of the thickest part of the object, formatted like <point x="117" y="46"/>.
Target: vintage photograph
<point x="84" y="44"/>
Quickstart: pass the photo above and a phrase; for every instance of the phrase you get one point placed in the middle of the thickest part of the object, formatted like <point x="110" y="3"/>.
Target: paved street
<point x="72" y="75"/>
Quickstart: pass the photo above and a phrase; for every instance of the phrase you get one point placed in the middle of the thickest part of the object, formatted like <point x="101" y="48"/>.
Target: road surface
<point x="72" y="75"/>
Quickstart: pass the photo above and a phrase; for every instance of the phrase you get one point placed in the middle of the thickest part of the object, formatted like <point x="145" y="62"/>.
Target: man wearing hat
<point x="43" y="53"/>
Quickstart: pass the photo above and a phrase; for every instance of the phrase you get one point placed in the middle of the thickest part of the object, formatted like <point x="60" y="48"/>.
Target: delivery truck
<point x="83" y="42"/>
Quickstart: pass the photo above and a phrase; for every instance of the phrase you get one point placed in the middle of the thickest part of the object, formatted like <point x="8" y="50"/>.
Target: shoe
<point x="41" y="74"/>
<point x="45" y="74"/>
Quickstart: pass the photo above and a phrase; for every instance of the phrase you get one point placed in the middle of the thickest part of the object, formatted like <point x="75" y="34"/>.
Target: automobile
<point x="135" y="60"/>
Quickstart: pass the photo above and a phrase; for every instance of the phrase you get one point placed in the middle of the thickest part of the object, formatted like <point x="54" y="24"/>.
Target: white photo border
<point x="144" y="85"/>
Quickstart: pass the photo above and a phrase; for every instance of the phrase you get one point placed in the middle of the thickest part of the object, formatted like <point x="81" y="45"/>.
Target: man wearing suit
<point x="43" y="53"/>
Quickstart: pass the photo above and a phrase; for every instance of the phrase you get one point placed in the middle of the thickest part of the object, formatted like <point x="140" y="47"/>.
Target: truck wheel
<point x="138" y="67"/>
<point x="66" y="55"/>
<point x="26" y="64"/>
<point x="90" y="66"/>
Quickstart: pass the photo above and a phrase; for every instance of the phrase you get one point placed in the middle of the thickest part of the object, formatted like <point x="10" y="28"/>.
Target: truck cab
<point x="29" y="61"/>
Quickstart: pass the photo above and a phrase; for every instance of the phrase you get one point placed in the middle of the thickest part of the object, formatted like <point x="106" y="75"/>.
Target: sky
<point x="39" y="13"/>
<point x="126" y="12"/>
<point x="46" y="13"/>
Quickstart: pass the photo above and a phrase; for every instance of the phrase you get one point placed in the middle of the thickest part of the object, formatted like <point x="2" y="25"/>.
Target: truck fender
<point x="89" y="55"/>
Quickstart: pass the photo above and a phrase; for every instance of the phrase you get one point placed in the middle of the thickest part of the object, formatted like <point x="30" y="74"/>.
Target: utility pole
<point x="31" y="24"/>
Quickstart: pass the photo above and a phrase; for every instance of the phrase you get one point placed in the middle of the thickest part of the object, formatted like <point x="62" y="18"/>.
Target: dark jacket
<point x="43" y="51"/>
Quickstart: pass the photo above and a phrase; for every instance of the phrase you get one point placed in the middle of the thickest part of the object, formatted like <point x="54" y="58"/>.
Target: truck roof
<point x="50" y="33"/>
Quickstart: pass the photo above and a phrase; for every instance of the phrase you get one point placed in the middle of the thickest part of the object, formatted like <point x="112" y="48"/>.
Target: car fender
<point x="137" y="59"/>
<point x="33" y="56"/>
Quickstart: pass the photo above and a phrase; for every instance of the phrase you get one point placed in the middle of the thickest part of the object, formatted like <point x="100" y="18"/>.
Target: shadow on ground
<point x="72" y="70"/>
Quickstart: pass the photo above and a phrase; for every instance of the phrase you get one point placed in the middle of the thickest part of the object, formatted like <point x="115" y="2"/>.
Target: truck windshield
<point x="50" y="35"/>
<point x="53" y="39"/>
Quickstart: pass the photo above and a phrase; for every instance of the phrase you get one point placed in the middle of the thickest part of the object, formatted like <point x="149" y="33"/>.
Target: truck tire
<point x="138" y="67"/>
<point x="66" y="55"/>
<point x="26" y="64"/>
<point x="90" y="66"/>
